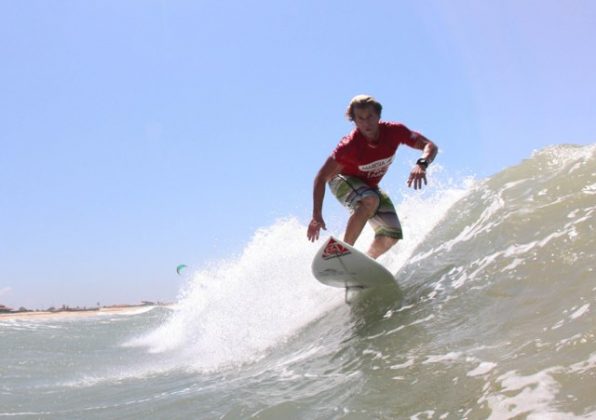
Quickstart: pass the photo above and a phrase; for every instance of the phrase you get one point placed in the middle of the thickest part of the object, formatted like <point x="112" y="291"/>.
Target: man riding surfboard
<point x="355" y="168"/>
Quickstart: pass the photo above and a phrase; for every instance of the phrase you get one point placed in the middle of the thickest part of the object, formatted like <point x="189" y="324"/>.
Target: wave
<point x="531" y="220"/>
<point x="497" y="292"/>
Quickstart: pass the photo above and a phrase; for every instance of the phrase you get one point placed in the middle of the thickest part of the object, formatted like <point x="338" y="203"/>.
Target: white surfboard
<point x="338" y="264"/>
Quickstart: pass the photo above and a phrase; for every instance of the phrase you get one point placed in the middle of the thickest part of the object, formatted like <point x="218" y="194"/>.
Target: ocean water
<point x="494" y="317"/>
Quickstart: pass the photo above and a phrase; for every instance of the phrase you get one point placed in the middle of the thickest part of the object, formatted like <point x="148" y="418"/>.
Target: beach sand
<point x="43" y="315"/>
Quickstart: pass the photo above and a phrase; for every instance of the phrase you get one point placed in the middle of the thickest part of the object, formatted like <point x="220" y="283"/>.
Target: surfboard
<point x="338" y="264"/>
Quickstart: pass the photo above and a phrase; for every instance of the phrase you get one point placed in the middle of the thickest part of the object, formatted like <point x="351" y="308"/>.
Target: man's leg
<point x="380" y="245"/>
<point x="365" y="210"/>
<point x="386" y="226"/>
<point x="356" y="195"/>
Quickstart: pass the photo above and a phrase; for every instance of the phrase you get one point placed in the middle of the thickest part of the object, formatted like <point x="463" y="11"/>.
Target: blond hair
<point x="362" y="101"/>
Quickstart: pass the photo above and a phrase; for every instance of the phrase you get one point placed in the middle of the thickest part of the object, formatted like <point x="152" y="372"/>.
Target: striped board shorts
<point x="349" y="190"/>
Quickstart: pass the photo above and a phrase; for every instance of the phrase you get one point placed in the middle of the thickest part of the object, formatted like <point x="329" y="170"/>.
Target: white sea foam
<point x="580" y="311"/>
<point x="482" y="369"/>
<point x="530" y="395"/>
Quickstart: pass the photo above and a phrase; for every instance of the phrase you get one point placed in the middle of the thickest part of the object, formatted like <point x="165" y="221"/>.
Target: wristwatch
<point x="423" y="163"/>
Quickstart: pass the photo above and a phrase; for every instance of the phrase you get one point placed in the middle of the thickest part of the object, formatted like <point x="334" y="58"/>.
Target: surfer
<point x="355" y="168"/>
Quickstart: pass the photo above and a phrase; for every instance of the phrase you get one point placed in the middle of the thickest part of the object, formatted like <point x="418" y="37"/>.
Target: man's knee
<point x="369" y="205"/>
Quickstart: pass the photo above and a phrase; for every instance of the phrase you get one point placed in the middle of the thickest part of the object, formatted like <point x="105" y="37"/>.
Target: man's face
<point x="367" y="121"/>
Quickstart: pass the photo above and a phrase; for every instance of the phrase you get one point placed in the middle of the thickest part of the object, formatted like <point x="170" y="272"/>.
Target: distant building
<point x="5" y="309"/>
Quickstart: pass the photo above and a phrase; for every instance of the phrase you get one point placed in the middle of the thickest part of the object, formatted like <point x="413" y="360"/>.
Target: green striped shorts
<point x="349" y="190"/>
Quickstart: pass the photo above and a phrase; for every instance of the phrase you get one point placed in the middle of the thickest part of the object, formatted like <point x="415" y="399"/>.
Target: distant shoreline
<point x="79" y="313"/>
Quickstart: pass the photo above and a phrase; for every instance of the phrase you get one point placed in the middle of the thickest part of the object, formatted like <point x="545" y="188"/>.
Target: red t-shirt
<point x="370" y="164"/>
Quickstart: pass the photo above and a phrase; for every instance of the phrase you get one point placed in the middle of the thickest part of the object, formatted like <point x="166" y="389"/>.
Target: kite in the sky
<point x="180" y="268"/>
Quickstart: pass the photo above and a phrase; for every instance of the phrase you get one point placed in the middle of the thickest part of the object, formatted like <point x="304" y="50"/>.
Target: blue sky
<point x="136" y="135"/>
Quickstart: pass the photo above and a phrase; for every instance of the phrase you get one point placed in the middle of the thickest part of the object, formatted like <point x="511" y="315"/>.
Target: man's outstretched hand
<point x="314" y="228"/>
<point x="416" y="177"/>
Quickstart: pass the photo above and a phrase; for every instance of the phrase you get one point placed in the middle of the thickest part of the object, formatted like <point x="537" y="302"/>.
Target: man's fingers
<point x="314" y="228"/>
<point x="423" y="178"/>
<point x="415" y="180"/>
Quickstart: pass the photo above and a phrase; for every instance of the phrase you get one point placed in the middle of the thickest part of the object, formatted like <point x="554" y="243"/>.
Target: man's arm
<point x="429" y="152"/>
<point x="329" y="169"/>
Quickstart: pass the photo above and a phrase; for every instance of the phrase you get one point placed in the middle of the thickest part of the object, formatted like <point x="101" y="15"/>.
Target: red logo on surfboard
<point x="334" y="249"/>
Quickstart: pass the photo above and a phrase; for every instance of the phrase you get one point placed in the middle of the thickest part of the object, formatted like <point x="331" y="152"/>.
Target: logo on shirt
<point x="377" y="168"/>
